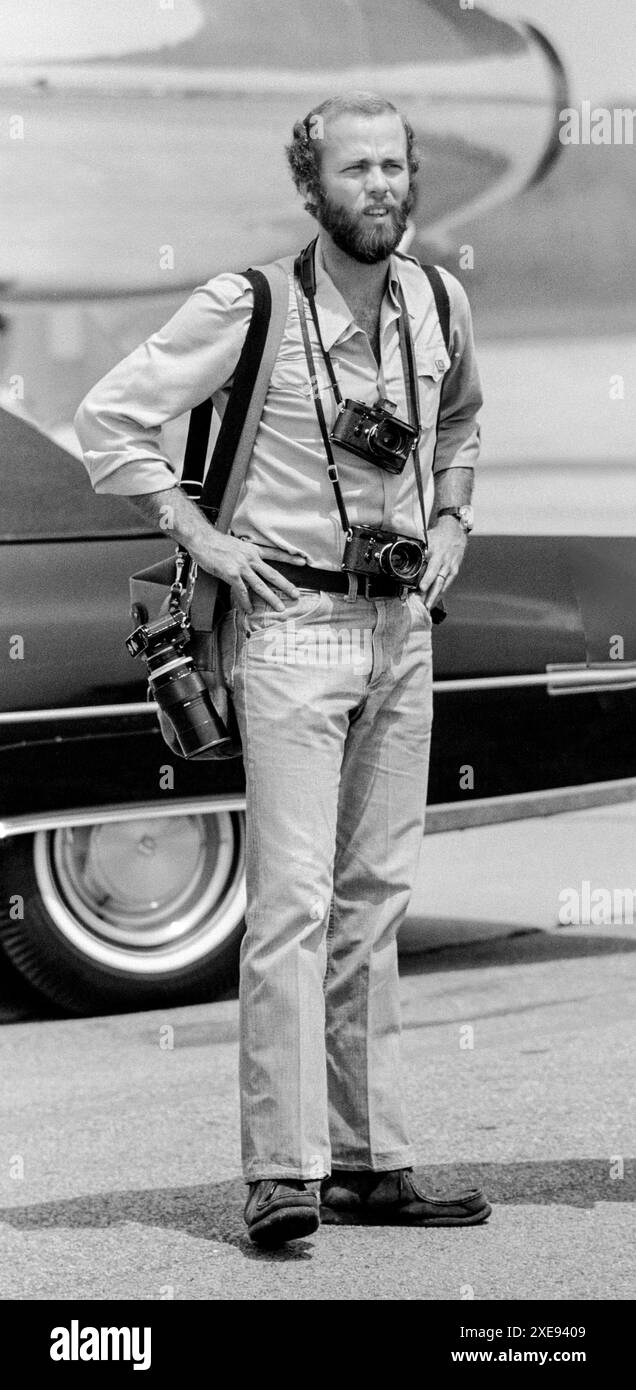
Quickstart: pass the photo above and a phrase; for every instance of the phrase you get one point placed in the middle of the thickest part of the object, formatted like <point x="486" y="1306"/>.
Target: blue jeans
<point x="334" y="703"/>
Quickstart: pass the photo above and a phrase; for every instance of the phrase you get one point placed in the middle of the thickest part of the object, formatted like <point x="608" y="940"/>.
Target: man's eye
<point x="393" y="165"/>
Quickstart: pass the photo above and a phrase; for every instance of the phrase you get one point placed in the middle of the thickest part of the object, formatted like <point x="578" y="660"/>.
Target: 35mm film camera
<point x="371" y="551"/>
<point x="374" y="433"/>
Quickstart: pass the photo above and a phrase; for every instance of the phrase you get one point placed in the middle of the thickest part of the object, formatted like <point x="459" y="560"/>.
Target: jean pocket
<point x="263" y="617"/>
<point x="420" y="615"/>
<point x="227" y="647"/>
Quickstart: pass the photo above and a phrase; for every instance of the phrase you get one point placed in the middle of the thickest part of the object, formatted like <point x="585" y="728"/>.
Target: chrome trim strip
<point x="130" y="810"/>
<point x="623" y="676"/>
<point x="451" y="815"/>
<point x="446" y="815"/>
<point x="41" y="716"/>
<point x="577" y="677"/>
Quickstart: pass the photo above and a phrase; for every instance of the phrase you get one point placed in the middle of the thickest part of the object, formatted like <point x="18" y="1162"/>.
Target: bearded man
<point x="336" y="752"/>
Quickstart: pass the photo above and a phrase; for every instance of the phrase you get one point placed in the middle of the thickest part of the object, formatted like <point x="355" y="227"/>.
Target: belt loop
<point x="352" y="592"/>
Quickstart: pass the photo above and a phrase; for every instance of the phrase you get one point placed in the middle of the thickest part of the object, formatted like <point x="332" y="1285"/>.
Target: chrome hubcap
<point x="145" y="895"/>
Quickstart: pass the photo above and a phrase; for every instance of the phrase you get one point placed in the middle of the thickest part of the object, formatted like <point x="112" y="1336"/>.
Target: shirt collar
<point x="336" y="319"/>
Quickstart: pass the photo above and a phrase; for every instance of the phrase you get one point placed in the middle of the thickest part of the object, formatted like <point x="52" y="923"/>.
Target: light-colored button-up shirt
<point x="287" y="500"/>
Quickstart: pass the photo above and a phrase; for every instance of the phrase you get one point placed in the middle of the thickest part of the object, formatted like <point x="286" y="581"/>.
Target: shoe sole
<point x="329" y="1217"/>
<point x="281" y="1226"/>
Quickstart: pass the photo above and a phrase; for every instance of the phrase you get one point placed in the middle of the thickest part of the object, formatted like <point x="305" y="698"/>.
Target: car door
<point x="513" y="714"/>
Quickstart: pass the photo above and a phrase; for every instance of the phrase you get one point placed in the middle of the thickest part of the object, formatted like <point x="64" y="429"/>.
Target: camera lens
<point x="402" y="560"/>
<point x="166" y="656"/>
<point x="386" y="438"/>
<point x="183" y="696"/>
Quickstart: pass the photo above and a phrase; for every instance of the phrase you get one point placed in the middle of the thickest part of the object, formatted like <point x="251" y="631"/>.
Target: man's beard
<point x="363" y="241"/>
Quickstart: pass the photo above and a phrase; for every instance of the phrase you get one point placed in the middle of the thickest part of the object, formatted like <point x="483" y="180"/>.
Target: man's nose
<point x="377" y="181"/>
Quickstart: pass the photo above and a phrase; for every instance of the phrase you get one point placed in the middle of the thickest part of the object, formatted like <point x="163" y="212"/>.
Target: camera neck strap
<point x="305" y="287"/>
<point x="332" y="467"/>
<point x="410" y="375"/>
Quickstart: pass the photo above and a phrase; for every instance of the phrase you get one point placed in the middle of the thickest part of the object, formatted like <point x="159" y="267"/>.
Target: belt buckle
<point x="368" y="580"/>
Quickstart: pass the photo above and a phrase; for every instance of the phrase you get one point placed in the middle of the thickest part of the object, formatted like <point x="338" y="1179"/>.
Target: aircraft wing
<point x="145" y="145"/>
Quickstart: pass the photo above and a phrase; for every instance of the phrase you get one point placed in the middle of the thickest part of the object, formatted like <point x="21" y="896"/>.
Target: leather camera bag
<point x="150" y="588"/>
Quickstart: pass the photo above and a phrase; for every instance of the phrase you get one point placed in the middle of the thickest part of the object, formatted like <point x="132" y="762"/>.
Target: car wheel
<point x="127" y="914"/>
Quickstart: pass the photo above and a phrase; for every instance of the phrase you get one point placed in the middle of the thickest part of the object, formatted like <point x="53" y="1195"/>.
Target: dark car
<point x="122" y="866"/>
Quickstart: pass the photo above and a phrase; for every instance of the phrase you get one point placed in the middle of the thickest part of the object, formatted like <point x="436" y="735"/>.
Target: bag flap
<point x="149" y="590"/>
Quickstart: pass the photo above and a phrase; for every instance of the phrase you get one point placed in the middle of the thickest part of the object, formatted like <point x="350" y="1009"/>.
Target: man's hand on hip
<point x="237" y="562"/>
<point x="241" y="565"/>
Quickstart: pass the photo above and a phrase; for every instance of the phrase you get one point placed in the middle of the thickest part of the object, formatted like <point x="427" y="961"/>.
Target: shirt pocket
<point x="290" y="372"/>
<point x="431" y="363"/>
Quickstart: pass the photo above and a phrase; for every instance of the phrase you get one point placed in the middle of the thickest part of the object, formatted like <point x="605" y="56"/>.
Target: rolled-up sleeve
<point x="193" y="356"/>
<point x="458" y="440"/>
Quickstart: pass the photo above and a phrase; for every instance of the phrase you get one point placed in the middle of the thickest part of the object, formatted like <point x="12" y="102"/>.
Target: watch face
<point x="466" y="516"/>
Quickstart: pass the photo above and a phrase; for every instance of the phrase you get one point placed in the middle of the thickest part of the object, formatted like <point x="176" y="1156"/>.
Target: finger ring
<point x="442" y="574"/>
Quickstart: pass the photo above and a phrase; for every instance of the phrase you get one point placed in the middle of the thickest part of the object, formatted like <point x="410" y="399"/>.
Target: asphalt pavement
<point x="120" y="1142"/>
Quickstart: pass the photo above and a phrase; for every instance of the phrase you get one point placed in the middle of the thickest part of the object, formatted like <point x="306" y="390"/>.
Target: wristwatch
<point x="464" y="515"/>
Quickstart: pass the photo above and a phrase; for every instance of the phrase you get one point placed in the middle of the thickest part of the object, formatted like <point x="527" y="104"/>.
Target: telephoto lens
<point x="183" y="696"/>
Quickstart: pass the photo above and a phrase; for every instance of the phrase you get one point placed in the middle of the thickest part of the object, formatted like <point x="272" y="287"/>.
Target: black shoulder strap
<point x="196" y="449"/>
<point x="442" y="302"/>
<point x="211" y="494"/>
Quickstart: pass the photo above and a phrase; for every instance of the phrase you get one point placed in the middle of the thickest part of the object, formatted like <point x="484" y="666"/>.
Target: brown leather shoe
<point x="280" y="1209"/>
<point x="393" y="1199"/>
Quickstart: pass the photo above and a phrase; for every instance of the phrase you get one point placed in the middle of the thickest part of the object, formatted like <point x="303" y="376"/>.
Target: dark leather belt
<point x="337" y="581"/>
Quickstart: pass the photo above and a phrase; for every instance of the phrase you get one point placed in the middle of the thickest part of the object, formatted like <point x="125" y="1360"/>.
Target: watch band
<point x="462" y="514"/>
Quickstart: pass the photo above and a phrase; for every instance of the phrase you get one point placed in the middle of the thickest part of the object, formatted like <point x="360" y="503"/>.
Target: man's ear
<point x="315" y="127"/>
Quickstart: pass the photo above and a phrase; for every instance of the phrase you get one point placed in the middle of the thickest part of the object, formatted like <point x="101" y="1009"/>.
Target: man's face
<point x="364" y="198"/>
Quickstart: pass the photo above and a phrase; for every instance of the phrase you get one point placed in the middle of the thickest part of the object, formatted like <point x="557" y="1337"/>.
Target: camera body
<point x="170" y="631"/>
<point x="179" y="688"/>
<point x="375" y="434"/>
<point x="369" y="550"/>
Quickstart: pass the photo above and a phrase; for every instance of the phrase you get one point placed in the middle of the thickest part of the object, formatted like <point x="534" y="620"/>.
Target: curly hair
<point x="303" y="153"/>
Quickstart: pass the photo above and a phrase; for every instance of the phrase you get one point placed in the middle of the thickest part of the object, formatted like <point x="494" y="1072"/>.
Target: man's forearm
<point x="453" y="487"/>
<point x="172" y="511"/>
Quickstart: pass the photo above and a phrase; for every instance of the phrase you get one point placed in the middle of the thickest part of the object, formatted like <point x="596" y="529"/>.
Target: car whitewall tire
<point x="127" y="914"/>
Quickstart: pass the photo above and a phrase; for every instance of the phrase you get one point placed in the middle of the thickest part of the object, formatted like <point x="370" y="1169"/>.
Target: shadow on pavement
<point x="213" y="1211"/>
<point x="525" y="946"/>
